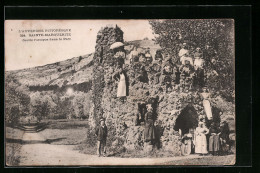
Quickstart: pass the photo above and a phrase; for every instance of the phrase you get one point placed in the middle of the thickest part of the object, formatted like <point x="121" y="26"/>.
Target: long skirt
<point x="201" y="144"/>
<point x="214" y="143"/>
<point x="186" y="148"/>
<point x="149" y="131"/>
<point x="121" y="90"/>
<point x="207" y="108"/>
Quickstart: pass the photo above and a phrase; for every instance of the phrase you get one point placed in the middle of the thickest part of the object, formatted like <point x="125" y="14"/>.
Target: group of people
<point x="188" y="72"/>
<point x="213" y="139"/>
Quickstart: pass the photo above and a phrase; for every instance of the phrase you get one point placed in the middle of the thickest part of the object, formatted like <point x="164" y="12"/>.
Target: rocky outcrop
<point x="121" y="116"/>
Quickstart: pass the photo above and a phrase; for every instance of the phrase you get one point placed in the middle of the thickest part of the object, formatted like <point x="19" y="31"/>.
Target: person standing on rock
<point x="149" y="131"/>
<point x="206" y="104"/>
<point x="101" y="132"/>
<point x="121" y="89"/>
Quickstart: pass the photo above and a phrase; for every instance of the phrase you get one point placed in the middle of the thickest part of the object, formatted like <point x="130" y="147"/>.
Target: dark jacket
<point x="101" y="133"/>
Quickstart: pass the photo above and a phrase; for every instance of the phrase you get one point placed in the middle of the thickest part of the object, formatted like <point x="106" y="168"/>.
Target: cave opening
<point x="187" y="120"/>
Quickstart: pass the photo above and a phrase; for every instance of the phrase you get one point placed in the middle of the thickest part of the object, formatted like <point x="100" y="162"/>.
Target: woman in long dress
<point x="186" y="144"/>
<point x="206" y="104"/>
<point x="121" y="88"/>
<point x="214" y="141"/>
<point x="200" y="139"/>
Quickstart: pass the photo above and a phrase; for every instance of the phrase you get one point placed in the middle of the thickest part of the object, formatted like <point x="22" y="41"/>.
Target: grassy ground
<point x="76" y="132"/>
<point x="211" y="160"/>
<point x="64" y="132"/>
<point x="13" y="145"/>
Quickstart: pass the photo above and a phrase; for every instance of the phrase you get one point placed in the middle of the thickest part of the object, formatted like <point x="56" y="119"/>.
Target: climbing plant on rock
<point x="215" y="37"/>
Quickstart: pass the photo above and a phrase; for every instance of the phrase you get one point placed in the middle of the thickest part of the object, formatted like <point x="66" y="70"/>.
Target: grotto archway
<point x="188" y="119"/>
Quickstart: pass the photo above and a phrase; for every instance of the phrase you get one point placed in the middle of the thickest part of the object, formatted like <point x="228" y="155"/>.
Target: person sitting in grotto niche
<point x="149" y="131"/>
<point x="158" y="55"/>
<point x="120" y="55"/>
<point x="141" y="111"/>
<point x="167" y="72"/>
<point x="186" y="78"/>
<point x="148" y="56"/>
<point x="140" y="72"/>
<point x="156" y="71"/>
<point x="142" y="59"/>
<point x="134" y="56"/>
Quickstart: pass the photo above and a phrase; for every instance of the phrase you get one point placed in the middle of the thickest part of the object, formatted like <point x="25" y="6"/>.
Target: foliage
<point x="215" y="38"/>
<point x="41" y="104"/>
<point x="16" y="100"/>
<point x="81" y="104"/>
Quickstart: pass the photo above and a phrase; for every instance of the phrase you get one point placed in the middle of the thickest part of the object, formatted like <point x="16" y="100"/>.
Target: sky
<point x="21" y="54"/>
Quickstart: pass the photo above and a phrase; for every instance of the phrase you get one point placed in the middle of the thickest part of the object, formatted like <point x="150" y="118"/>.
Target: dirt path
<point x="36" y="152"/>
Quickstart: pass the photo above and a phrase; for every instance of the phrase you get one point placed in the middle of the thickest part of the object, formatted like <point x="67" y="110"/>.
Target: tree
<point x="216" y="34"/>
<point x="42" y="105"/>
<point x="17" y="100"/>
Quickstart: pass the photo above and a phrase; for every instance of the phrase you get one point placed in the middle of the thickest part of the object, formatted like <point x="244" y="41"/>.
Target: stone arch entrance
<point x="188" y="119"/>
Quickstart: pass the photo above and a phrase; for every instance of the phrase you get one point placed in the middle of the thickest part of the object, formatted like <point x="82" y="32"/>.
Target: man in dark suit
<point x="101" y="132"/>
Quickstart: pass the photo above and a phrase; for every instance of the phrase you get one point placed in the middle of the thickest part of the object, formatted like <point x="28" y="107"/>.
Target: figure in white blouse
<point x="200" y="139"/>
<point x="198" y="59"/>
<point x="206" y="104"/>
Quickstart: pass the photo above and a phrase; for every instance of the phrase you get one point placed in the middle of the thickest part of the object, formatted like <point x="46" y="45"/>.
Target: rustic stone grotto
<point x="121" y="116"/>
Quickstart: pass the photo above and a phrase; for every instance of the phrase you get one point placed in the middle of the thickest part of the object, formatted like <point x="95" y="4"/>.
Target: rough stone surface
<point x="120" y="116"/>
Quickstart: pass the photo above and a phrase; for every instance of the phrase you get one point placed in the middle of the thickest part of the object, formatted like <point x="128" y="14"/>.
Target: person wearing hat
<point x="200" y="139"/>
<point x="101" y="133"/>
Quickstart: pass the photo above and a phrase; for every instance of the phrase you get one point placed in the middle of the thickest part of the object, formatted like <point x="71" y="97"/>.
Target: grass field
<point x="212" y="160"/>
<point x="65" y="132"/>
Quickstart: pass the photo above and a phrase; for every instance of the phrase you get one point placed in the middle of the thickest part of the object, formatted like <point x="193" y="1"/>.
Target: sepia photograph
<point x="120" y="92"/>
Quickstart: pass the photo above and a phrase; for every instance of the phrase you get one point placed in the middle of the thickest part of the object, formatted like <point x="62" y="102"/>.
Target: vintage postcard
<point x="120" y="92"/>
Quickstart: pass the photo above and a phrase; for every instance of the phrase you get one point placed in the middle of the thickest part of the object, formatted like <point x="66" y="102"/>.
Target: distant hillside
<point x="73" y="71"/>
